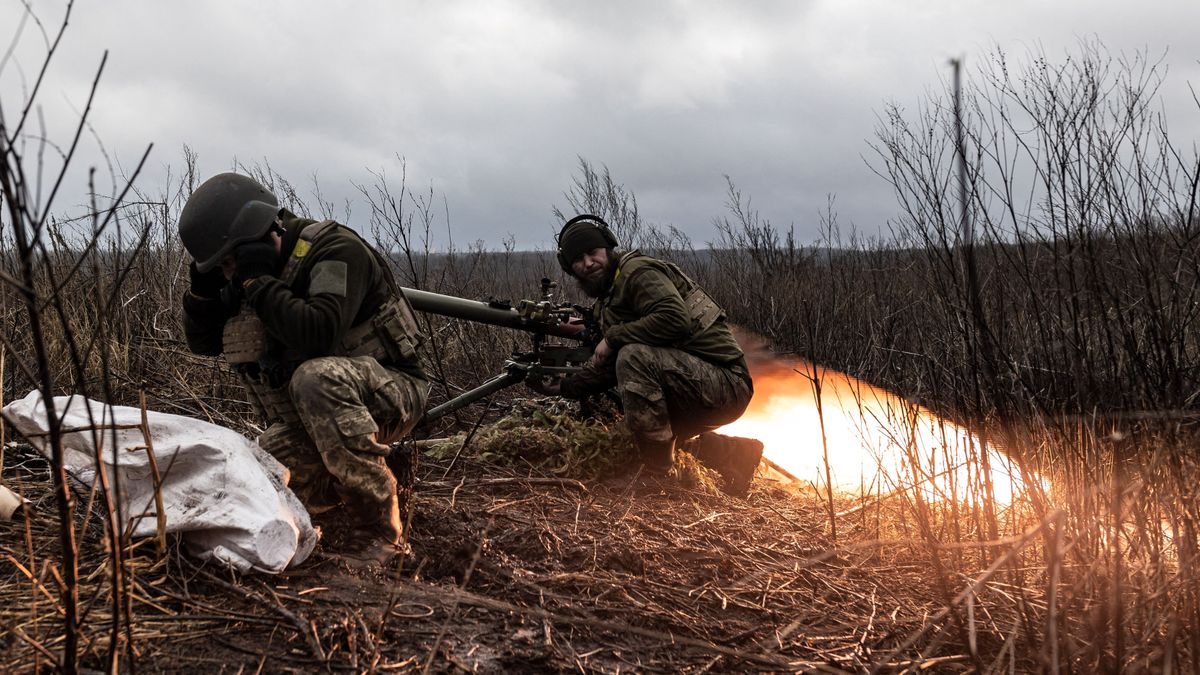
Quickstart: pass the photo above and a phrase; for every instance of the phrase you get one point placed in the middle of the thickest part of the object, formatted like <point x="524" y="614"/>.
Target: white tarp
<point x="227" y="497"/>
<point x="10" y="503"/>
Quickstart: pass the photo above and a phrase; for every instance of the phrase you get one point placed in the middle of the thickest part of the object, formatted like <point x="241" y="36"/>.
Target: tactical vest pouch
<point x="703" y="310"/>
<point x="391" y="336"/>
<point x="244" y="339"/>
<point x="244" y="345"/>
<point x="273" y="404"/>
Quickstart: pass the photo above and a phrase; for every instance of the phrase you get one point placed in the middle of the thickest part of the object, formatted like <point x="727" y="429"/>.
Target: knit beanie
<point x="578" y="239"/>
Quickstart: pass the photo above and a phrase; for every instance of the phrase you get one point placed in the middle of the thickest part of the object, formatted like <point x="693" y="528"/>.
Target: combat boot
<point x="402" y="460"/>
<point x="657" y="457"/>
<point x="377" y="537"/>
<point x="734" y="457"/>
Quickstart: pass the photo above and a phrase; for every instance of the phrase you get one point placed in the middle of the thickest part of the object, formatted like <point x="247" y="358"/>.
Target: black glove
<point x="546" y="386"/>
<point x="255" y="259"/>
<point x="207" y="284"/>
<point x="231" y="296"/>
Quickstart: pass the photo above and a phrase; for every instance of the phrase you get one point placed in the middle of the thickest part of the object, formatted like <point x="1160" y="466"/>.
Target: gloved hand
<point x="602" y="353"/>
<point x="231" y="296"/>
<point x="206" y="284"/>
<point x="546" y="386"/>
<point x="255" y="259"/>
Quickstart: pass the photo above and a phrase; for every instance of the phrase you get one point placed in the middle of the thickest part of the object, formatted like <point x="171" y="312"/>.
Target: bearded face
<point x="594" y="271"/>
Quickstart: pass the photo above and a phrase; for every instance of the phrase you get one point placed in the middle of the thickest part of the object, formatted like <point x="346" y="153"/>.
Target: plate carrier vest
<point x="390" y="336"/>
<point x="703" y="310"/>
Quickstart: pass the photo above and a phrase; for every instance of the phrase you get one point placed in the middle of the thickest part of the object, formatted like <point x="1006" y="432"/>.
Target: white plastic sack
<point x="226" y="495"/>
<point x="10" y="503"/>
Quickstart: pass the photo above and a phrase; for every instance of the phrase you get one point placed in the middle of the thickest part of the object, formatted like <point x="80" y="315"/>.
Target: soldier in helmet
<point x="323" y="339"/>
<point x="666" y="349"/>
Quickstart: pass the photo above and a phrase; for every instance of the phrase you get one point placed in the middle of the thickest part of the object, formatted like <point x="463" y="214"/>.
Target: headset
<point x="597" y="222"/>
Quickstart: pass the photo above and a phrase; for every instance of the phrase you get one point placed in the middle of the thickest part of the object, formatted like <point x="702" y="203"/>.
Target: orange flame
<point x="877" y="442"/>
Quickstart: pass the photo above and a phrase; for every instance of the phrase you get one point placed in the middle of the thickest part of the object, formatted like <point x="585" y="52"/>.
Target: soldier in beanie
<point x="324" y="341"/>
<point x="667" y="351"/>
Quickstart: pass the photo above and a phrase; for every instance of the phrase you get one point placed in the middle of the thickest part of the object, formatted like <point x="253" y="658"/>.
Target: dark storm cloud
<point x="491" y="103"/>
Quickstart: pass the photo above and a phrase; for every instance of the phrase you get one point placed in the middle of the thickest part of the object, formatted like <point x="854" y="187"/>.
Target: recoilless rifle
<point x="542" y="318"/>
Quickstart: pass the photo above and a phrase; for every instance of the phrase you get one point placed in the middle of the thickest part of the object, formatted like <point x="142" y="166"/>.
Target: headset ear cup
<point x="607" y="234"/>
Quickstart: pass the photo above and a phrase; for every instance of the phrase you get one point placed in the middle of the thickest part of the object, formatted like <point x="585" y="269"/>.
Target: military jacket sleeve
<point x="590" y="380"/>
<point x="313" y="315"/>
<point x="645" y="308"/>
<point x="204" y="323"/>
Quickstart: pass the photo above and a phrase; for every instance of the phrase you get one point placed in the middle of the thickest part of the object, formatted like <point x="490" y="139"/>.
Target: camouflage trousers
<point x="669" y="394"/>
<point x="351" y="408"/>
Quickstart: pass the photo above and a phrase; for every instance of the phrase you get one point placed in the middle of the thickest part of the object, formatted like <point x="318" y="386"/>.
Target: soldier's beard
<point x="597" y="287"/>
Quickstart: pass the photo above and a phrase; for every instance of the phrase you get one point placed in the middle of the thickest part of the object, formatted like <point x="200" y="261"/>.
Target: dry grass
<point x="533" y="572"/>
<point x="1066" y="334"/>
<point x="679" y="578"/>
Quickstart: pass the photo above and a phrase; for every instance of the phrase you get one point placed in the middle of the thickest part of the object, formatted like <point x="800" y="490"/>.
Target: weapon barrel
<point x="482" y="312"/>
<point x="505" y="379"/>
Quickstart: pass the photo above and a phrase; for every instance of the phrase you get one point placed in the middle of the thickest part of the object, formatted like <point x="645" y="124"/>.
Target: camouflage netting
<point x="556" y="436"/>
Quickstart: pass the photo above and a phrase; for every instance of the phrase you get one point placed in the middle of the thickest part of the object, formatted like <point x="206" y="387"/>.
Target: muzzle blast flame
<point x="875" y="441"/>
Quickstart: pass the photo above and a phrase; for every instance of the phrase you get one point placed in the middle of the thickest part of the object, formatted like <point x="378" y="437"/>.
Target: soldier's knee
<point x="311" y="375"/>
<point x="634" y="357"/>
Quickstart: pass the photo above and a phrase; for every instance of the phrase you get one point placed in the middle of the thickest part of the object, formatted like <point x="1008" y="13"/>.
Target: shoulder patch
<point x="328" y="276"/>
<point x="301" y="248"/>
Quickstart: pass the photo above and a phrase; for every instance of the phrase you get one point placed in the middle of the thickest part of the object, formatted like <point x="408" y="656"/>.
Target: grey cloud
<point x="491" y="102"/>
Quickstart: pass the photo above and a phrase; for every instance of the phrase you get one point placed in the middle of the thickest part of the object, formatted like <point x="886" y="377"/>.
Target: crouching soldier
<point x="667" y="351"/>
<point x="323" y="339"/>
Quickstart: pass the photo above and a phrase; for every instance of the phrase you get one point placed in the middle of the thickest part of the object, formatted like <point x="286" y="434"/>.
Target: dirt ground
<point x="520" y="573"/>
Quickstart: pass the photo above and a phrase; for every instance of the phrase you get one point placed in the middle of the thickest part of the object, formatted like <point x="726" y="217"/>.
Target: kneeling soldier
<point x="666" y="349"/>
<point x="322" y="337"/>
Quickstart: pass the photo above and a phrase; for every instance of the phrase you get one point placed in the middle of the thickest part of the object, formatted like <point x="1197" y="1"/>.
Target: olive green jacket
<point x="338" y="284"/>
<point x="645" y="305"/>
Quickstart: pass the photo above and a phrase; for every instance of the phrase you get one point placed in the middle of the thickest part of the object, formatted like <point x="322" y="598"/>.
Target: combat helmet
<point x="226" y="210"/>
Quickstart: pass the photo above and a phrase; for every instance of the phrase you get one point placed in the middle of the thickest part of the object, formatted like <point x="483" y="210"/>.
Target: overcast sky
<point x="491" y="103"/>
